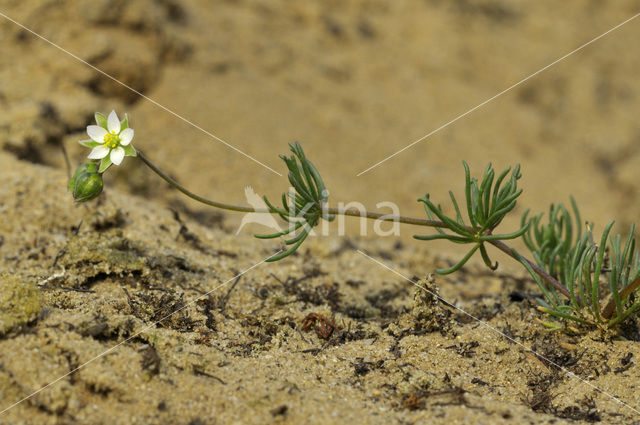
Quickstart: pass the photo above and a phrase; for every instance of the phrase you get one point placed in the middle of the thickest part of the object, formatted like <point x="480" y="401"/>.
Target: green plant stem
<point x="512" y="253"/>
<point x="609" y="309"/>
<point x="435" y="223"/>
<point x="190" y="194"/>
<point x="366" y="214"/>
<point x="385" y="217"/>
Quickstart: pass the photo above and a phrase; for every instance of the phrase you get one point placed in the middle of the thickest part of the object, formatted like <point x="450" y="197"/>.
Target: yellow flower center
<point x="111" y="140"/>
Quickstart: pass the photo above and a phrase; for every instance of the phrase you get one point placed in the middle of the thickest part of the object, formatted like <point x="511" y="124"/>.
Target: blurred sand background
<point x="353" y="81"/>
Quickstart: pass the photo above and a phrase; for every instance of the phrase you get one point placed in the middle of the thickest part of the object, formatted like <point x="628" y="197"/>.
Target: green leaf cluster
<point x="487" y="203"/>
<point x="303" y="208"/>
<point x="584" y="267"/>
<point x="563" y="248"/>
<point x="552" y="242"/>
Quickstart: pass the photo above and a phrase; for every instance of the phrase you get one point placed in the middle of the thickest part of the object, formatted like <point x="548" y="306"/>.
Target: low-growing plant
<point x="569" y="267"/>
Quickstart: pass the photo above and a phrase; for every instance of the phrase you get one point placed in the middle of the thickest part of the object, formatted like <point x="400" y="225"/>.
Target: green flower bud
<point x="86" y="183"/>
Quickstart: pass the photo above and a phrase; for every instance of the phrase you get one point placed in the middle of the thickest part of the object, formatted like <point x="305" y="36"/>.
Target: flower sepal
<point x="86" y="183"/>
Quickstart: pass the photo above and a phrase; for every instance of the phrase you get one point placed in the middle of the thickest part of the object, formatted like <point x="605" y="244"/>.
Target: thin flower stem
<point x="367" y="214"/>
<point x="190" y="194"/>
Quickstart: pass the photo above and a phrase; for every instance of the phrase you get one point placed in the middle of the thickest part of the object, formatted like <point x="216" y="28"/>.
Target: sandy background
<point x="353" y="81"/>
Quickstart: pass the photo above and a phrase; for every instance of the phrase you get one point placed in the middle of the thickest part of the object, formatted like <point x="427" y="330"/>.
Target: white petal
<point x="113" y="123"/>
<point x="117" y="155"/>
<point x="126" y="136"/>
<point x="99" y="152"/>
<point x="96" y="133"/>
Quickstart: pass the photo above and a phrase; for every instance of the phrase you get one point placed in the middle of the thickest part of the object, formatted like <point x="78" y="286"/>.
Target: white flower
<point x="110" y="140"/>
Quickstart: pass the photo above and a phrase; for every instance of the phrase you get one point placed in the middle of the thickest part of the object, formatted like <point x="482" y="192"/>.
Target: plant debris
<point x="323" y="326"/>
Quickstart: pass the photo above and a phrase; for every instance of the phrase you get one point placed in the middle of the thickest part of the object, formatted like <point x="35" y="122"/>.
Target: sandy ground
<point x="354" y="82"/>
